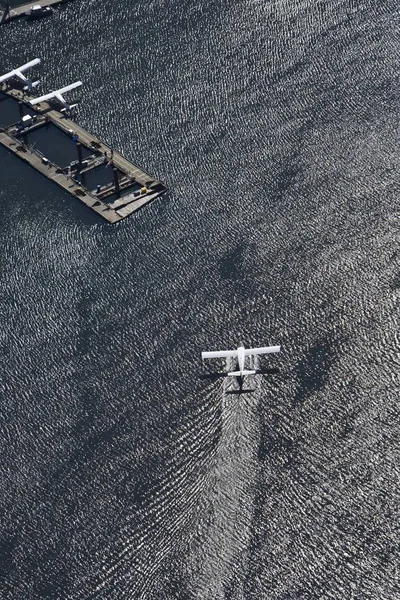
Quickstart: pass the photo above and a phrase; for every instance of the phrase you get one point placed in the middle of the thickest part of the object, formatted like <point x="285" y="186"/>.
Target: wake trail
<point x="221" y="555"/>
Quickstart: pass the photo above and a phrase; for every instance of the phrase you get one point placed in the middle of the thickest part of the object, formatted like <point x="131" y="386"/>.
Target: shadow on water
<point x="56" y="145"/>
<point x="9" y="111"/>
<point x="313" y="370"/>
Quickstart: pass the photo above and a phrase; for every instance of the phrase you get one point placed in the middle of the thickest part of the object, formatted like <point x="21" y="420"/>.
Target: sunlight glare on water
<point x="123" y="475"/>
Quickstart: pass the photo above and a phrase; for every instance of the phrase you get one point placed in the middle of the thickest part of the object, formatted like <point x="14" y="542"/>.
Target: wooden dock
<point x="12" y="138"/>
<point x="7" y="15"/>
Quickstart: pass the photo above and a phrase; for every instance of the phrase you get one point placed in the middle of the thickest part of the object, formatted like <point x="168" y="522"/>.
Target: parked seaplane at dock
<point x="58" y="95"/>
<point x="240" y="354"/>
<point x="18" y="73"/>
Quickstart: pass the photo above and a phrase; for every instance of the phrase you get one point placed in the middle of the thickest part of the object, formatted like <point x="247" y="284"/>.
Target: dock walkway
<point x="87" y="140"/>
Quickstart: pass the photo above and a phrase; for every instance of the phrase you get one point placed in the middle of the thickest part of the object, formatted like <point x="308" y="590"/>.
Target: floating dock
<point x="129" y="188"/>
<point x="9" y="14"/>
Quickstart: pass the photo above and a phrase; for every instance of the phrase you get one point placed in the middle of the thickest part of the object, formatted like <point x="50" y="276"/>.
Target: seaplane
<point x="240" y="354"/>
<point x="19" y="74"/>
<point x="58" y="95"/>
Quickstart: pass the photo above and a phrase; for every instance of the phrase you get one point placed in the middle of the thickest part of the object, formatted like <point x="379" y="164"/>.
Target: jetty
<point x="126" y="189"/>
<point x="9" y="14"/>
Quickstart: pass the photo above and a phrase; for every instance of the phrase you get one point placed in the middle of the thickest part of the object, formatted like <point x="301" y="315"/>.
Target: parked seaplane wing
<point x="19" y="71"/>
<point x="56" y="94"/>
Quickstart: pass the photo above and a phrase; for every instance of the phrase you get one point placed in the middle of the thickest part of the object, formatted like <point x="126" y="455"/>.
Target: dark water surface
<point x="122" y="475"/>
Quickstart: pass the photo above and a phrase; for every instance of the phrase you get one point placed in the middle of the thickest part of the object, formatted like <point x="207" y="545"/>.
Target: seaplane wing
<point x="265" y="350"/>
<point x="221" y="354"/>
<point x="247" y="352"/>
<point x="69" y="87"/>
<point x="42" y="98"/>
<point x="56" y="94"/>
<point x="18" y="72"/>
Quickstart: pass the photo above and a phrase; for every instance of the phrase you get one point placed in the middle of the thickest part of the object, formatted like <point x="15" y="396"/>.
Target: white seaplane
<point x="19" y="74"/>
<point x="58" y="95"/>
<point x="240" y="354"/>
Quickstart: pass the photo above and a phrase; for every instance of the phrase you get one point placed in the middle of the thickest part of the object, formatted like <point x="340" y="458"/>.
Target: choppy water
<point x="124" y="476"/>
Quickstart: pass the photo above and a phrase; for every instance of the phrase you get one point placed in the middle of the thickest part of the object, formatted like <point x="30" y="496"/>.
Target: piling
<point x="79" y="149"/>
<point x="116" y="183"/>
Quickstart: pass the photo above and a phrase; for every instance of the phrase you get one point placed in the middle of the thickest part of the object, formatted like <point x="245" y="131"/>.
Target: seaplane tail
<point x="19" y="73"/>
<point x="241" y="373"/>
<point x="58" y="94"/>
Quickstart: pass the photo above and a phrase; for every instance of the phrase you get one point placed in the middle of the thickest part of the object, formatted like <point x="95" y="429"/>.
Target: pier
<point x="9" y="14"/>
<point x="127" y="189"/>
